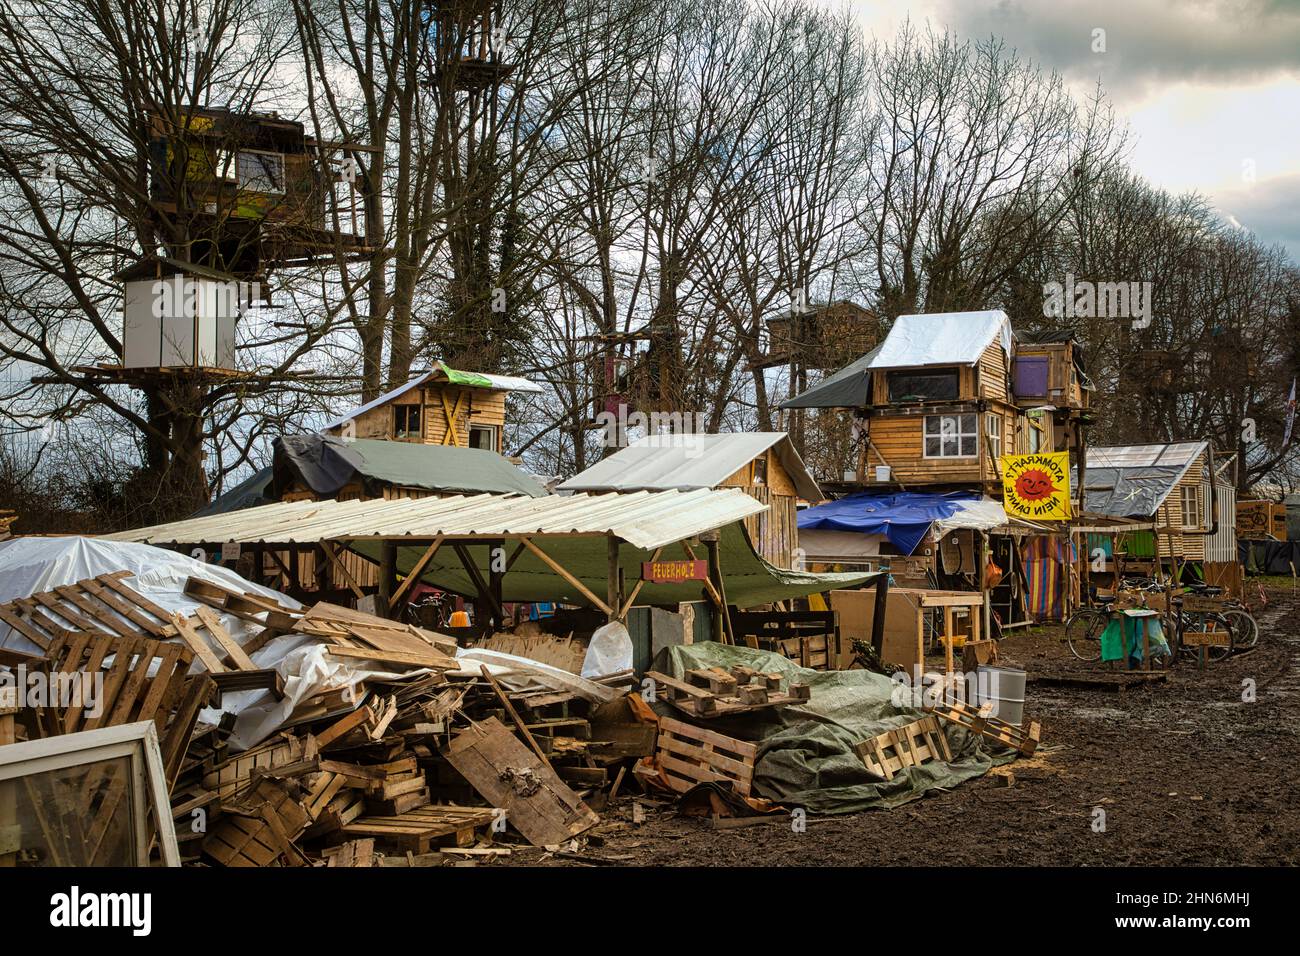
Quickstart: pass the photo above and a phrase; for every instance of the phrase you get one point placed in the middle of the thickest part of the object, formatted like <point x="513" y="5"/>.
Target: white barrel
<point x="1004" y="687"/>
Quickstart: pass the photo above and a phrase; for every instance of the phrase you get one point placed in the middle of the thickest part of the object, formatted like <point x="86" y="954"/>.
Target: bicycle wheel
<point x="1245" y="629"/>
<point x="1083" y="633"/>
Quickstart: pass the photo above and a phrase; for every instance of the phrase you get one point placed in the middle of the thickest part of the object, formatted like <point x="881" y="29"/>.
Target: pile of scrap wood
<point x="434" y="759"/>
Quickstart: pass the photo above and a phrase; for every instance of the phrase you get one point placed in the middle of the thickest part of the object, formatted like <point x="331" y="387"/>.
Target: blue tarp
<point x="903" y="518"/>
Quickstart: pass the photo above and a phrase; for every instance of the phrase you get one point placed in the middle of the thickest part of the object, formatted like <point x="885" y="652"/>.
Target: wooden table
<point x="924" y="599"/>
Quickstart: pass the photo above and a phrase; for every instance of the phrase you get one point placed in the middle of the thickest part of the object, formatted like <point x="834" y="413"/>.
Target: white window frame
<point x="495" y="430"/>
<point x="993" y="435"/>
<point x="960" y="434"/>
<point x="255" y="189"/>
<point x="147" y="780"/>
<point x="1193" y="517"/>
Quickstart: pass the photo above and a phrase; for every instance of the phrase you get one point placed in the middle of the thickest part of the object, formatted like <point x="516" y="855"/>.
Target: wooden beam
<point x="614" y="598"/>
<point x="481" y="586"/>
<point x="558" y="569"/>
<point x="402" y="593"/>
<point x="627" y="605"/>
<point x="333" y="559"/>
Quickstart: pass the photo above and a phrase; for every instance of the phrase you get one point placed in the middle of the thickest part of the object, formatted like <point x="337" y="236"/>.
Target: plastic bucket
<point x="882" y="472"/>
<point x="1004" y="687"/>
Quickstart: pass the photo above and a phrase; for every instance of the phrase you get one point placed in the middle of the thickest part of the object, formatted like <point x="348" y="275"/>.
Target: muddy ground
<point x="1186" y="772"/>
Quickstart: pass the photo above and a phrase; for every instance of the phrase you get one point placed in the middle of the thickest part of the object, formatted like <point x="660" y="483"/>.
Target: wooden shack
<point x="444" y="406"/>
<point x="763" y="464"/>
<point x="252" y="189"/>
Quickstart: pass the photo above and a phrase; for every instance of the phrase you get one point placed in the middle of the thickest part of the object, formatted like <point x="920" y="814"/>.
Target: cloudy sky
<point x="1210" y="88"/>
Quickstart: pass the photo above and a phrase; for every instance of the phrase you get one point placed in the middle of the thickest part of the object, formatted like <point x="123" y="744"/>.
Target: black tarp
<point x="1128" y="492"/>
<point x="847" y="388"/>
<point x="1269" y="557"/>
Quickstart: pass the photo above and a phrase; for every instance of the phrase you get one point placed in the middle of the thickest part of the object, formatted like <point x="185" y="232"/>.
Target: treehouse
<point x="470" y="40"/>
<point x="827" y="336"/>
<point x="945" y="395"/>
<point x="177" y="315"/>
<point x="444" y="406"/>
<point x="252" y="191"/>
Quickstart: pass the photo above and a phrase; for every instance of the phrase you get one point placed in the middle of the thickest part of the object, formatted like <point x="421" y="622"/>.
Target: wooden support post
<point x="387" y="577"/>
<point x="987" y="610"/>
<point x="948" y="634"/>
<point x="481" y="587"/>
<point x="878" y="620"/>
<point x="8" y="788"/>
<point x="711" y="541"/>
<point x="613" y="593"/>
<point x="496" y="580"/>
<point x="407" y="588"/>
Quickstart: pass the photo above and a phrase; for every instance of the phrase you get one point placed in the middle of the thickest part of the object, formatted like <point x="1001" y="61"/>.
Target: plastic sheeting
<point x="609" y="651"/>
<point x="903" y="518"/>
<point x="805" y="755"/>
<point x="943" y="338"/>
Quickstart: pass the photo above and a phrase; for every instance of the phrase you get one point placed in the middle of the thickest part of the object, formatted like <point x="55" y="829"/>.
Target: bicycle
<point x="1212" y="621"/>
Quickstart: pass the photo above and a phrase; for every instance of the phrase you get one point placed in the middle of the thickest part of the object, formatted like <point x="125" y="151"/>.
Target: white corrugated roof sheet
<point x="644" y="519"/>
<point x="1173" y="455"/>
<point x="943" y="338"/>
<point x="690" y="461"/>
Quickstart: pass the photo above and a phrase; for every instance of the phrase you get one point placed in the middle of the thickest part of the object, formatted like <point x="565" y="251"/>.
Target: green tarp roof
<point x="749" y="580"/>
<point x="325" y="464"/>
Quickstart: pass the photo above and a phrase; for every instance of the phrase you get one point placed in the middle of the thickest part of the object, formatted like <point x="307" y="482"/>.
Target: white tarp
<point x="943" y="338"/>
<point x="831" y="547"/>
<point x="31" y="565"/>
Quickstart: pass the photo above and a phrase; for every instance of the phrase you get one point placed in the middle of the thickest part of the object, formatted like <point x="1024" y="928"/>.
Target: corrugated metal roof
<point x="690" y="461"/>
<point x="1173" y="455"/>
<point x="644" y="519"/>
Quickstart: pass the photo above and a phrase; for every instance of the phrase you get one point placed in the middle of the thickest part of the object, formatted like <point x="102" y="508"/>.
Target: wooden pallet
<point x="714" y="692"/>
<point x="418" y="831"/>
<point x="691" y="755"/>
<point x="981" y="721"/>
<point x="259" y="829"/>
<point x="169" y="697"/>
<point x="102" y="605"/>
<point x="911" y="745"/>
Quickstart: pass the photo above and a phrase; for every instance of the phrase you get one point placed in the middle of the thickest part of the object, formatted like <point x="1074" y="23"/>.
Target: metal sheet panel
<point x="645" y="519"/>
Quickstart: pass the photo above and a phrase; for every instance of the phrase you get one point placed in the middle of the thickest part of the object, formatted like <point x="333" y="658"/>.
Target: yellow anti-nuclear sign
<point x="1037" y="487"/>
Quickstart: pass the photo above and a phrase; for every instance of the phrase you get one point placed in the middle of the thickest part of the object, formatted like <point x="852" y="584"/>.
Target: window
<point x="1037" y="433"/>
<point x="406" y="421"/>
<point x="112" y="778"/>
<point x="260" y="172"/>
<point x="916" y="386"/>
<point x="1193" y="513"/>
<point x="993" y="435"/>
<point x="950" y="436"/>
<point x="760" y="470"/>
<point x="483" y="436"/>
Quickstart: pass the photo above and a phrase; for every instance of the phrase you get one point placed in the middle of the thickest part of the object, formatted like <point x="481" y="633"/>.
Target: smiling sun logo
<point x="1037" y="486"/>
<point x="1034" y="485"/>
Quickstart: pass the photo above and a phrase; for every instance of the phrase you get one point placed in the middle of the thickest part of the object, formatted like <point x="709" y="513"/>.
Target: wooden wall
<point x="478" y="406"/>
<point x="775" y="532"/>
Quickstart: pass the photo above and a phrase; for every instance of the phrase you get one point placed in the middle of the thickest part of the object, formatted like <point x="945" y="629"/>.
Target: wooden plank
<point x="504" y="772"/>
<point x="195" y="642"/>
<point x="213" y="623"/>
<point x="432" y="659"/>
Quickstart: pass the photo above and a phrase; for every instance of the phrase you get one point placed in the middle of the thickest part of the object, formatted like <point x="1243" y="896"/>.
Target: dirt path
<point x="1186" y="773"/>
